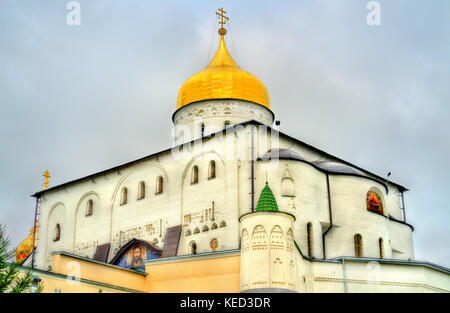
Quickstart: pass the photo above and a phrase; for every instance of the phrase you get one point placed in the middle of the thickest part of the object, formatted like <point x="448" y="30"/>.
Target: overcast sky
<point x="80" y="99"/>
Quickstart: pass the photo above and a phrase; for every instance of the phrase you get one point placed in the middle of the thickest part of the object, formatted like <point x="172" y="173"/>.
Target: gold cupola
<point x="26" y="246"/>
<point x="223" y="79"/>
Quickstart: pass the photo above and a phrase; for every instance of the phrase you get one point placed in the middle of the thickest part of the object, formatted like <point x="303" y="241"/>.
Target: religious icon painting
<point x="374" y="202"/>
<point x="135" y="255"/>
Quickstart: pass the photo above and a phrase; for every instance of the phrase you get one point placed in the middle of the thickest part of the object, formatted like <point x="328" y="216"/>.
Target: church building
<point x="235" y="205"/>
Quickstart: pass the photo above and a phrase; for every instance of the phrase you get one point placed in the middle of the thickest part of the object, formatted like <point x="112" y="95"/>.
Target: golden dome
<point x="26" y="246"/>
<point x="223" y="79"/>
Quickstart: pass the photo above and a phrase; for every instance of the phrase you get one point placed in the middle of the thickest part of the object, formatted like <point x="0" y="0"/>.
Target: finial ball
<point x="222" y="31"/>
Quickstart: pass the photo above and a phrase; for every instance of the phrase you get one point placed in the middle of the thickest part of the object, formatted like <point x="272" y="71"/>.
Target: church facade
<point x="234" y="206"/>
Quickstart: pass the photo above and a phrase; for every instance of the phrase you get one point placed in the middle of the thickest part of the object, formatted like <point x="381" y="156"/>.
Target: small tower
<point x="267" y="248"/>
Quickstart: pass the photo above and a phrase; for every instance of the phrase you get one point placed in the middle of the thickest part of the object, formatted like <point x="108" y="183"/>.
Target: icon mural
<point x="374" y="202"/>
<point x="135" y="257"/>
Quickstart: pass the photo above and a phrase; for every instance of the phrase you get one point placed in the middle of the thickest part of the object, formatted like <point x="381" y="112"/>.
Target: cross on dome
<point x="223" y="21"/>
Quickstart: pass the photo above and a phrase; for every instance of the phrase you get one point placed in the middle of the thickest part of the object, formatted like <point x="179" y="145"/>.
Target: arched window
<point x="205" y="228"/>
<point x="89" y="207"/>
<point x="188" y="232"/>
<point x="214" y="226"/>
<point x="223" y="224"/>
<point x="57" y="234"/>
<point x="124" y="196"/>
<point x="202" y="129"/>
<point x="159" y="185"/>
<point x="227" y="124"/>
<point x="193" y="247"/>
<point x="194" y="177"/>
<point x="196" y="230"/>
<point x="212" y="169"/>
<point x="309" y="237"/>
<point x="141" y="190"/>
<point x="374" y="202"/>
<point x="358" y="246"/>
<point x="380" y="244"/>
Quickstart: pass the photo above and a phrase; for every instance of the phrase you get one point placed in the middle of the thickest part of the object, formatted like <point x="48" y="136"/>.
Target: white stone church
<point x="295" y="218"/>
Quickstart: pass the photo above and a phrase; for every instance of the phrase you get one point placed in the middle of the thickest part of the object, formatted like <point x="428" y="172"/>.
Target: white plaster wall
<point x="309" y="203"/>
<point x="350" y="217"/>
<point x="83" y="225"/>
<point x="374" y="277"/>
<point x="401" y="241"/>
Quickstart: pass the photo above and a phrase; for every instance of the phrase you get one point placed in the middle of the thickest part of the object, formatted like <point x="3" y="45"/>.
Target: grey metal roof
<point x="338" y="168"/>
<point x="283" y="154"/>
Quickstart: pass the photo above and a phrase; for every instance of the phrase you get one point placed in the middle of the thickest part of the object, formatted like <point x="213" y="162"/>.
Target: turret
<point x="267" y="248"/>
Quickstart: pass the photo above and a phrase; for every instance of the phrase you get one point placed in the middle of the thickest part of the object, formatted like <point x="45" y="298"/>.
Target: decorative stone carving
<point x="145" y="232"/>
<point x="213" y="245"/>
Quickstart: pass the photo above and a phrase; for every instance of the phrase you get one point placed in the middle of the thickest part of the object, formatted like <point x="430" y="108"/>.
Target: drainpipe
<point x="331" y="216"/>
<point x="34" y="231"/>
<point x="344" y="274"/>
<point x="252" y="161"/>
<point x="403" y="207"/>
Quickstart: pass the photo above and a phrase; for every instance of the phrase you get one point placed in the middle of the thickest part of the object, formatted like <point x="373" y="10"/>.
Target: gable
<point x="134" y="254"/>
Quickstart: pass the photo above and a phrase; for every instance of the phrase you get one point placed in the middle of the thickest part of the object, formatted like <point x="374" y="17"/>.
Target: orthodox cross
<point x="223" y="21"/>
<point x="47" y="176"/>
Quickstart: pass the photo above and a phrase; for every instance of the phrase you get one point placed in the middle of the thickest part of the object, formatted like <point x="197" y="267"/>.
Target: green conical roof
<point x="266" y="201"/>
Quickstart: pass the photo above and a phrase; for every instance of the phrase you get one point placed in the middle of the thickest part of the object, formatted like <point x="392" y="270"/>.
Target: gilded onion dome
<point x="223" y="79"/>
<point x="26" y="246"/>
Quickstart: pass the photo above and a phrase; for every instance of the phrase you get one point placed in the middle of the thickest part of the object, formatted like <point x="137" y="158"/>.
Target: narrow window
<point x="193" y="247"/>
<point x="202" y="129"/>
<point x="380" y="244"/>
<point x="159" y="185"/>
<point x="57" y="235"/>
<point x="141" y="190"/>
<point x="194" y="178"/>
<point x="212" y="170"/>
<point x="358" y="246"/>
<point x="124" y="196"/>
<point x="309" y="235"/>
<point x="227" y="124"/>
<point x="89" y="207"/>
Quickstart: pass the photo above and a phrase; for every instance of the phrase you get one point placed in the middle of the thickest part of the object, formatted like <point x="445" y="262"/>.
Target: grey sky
<point x="79" y="99"/>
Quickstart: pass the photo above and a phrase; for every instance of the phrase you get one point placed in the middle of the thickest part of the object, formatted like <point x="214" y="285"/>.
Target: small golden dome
<point x="26" y="246"/>
<point x="223" y="79"/>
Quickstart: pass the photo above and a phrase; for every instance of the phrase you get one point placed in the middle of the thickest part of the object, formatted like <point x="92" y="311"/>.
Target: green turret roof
<point x="266" y="201"/>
